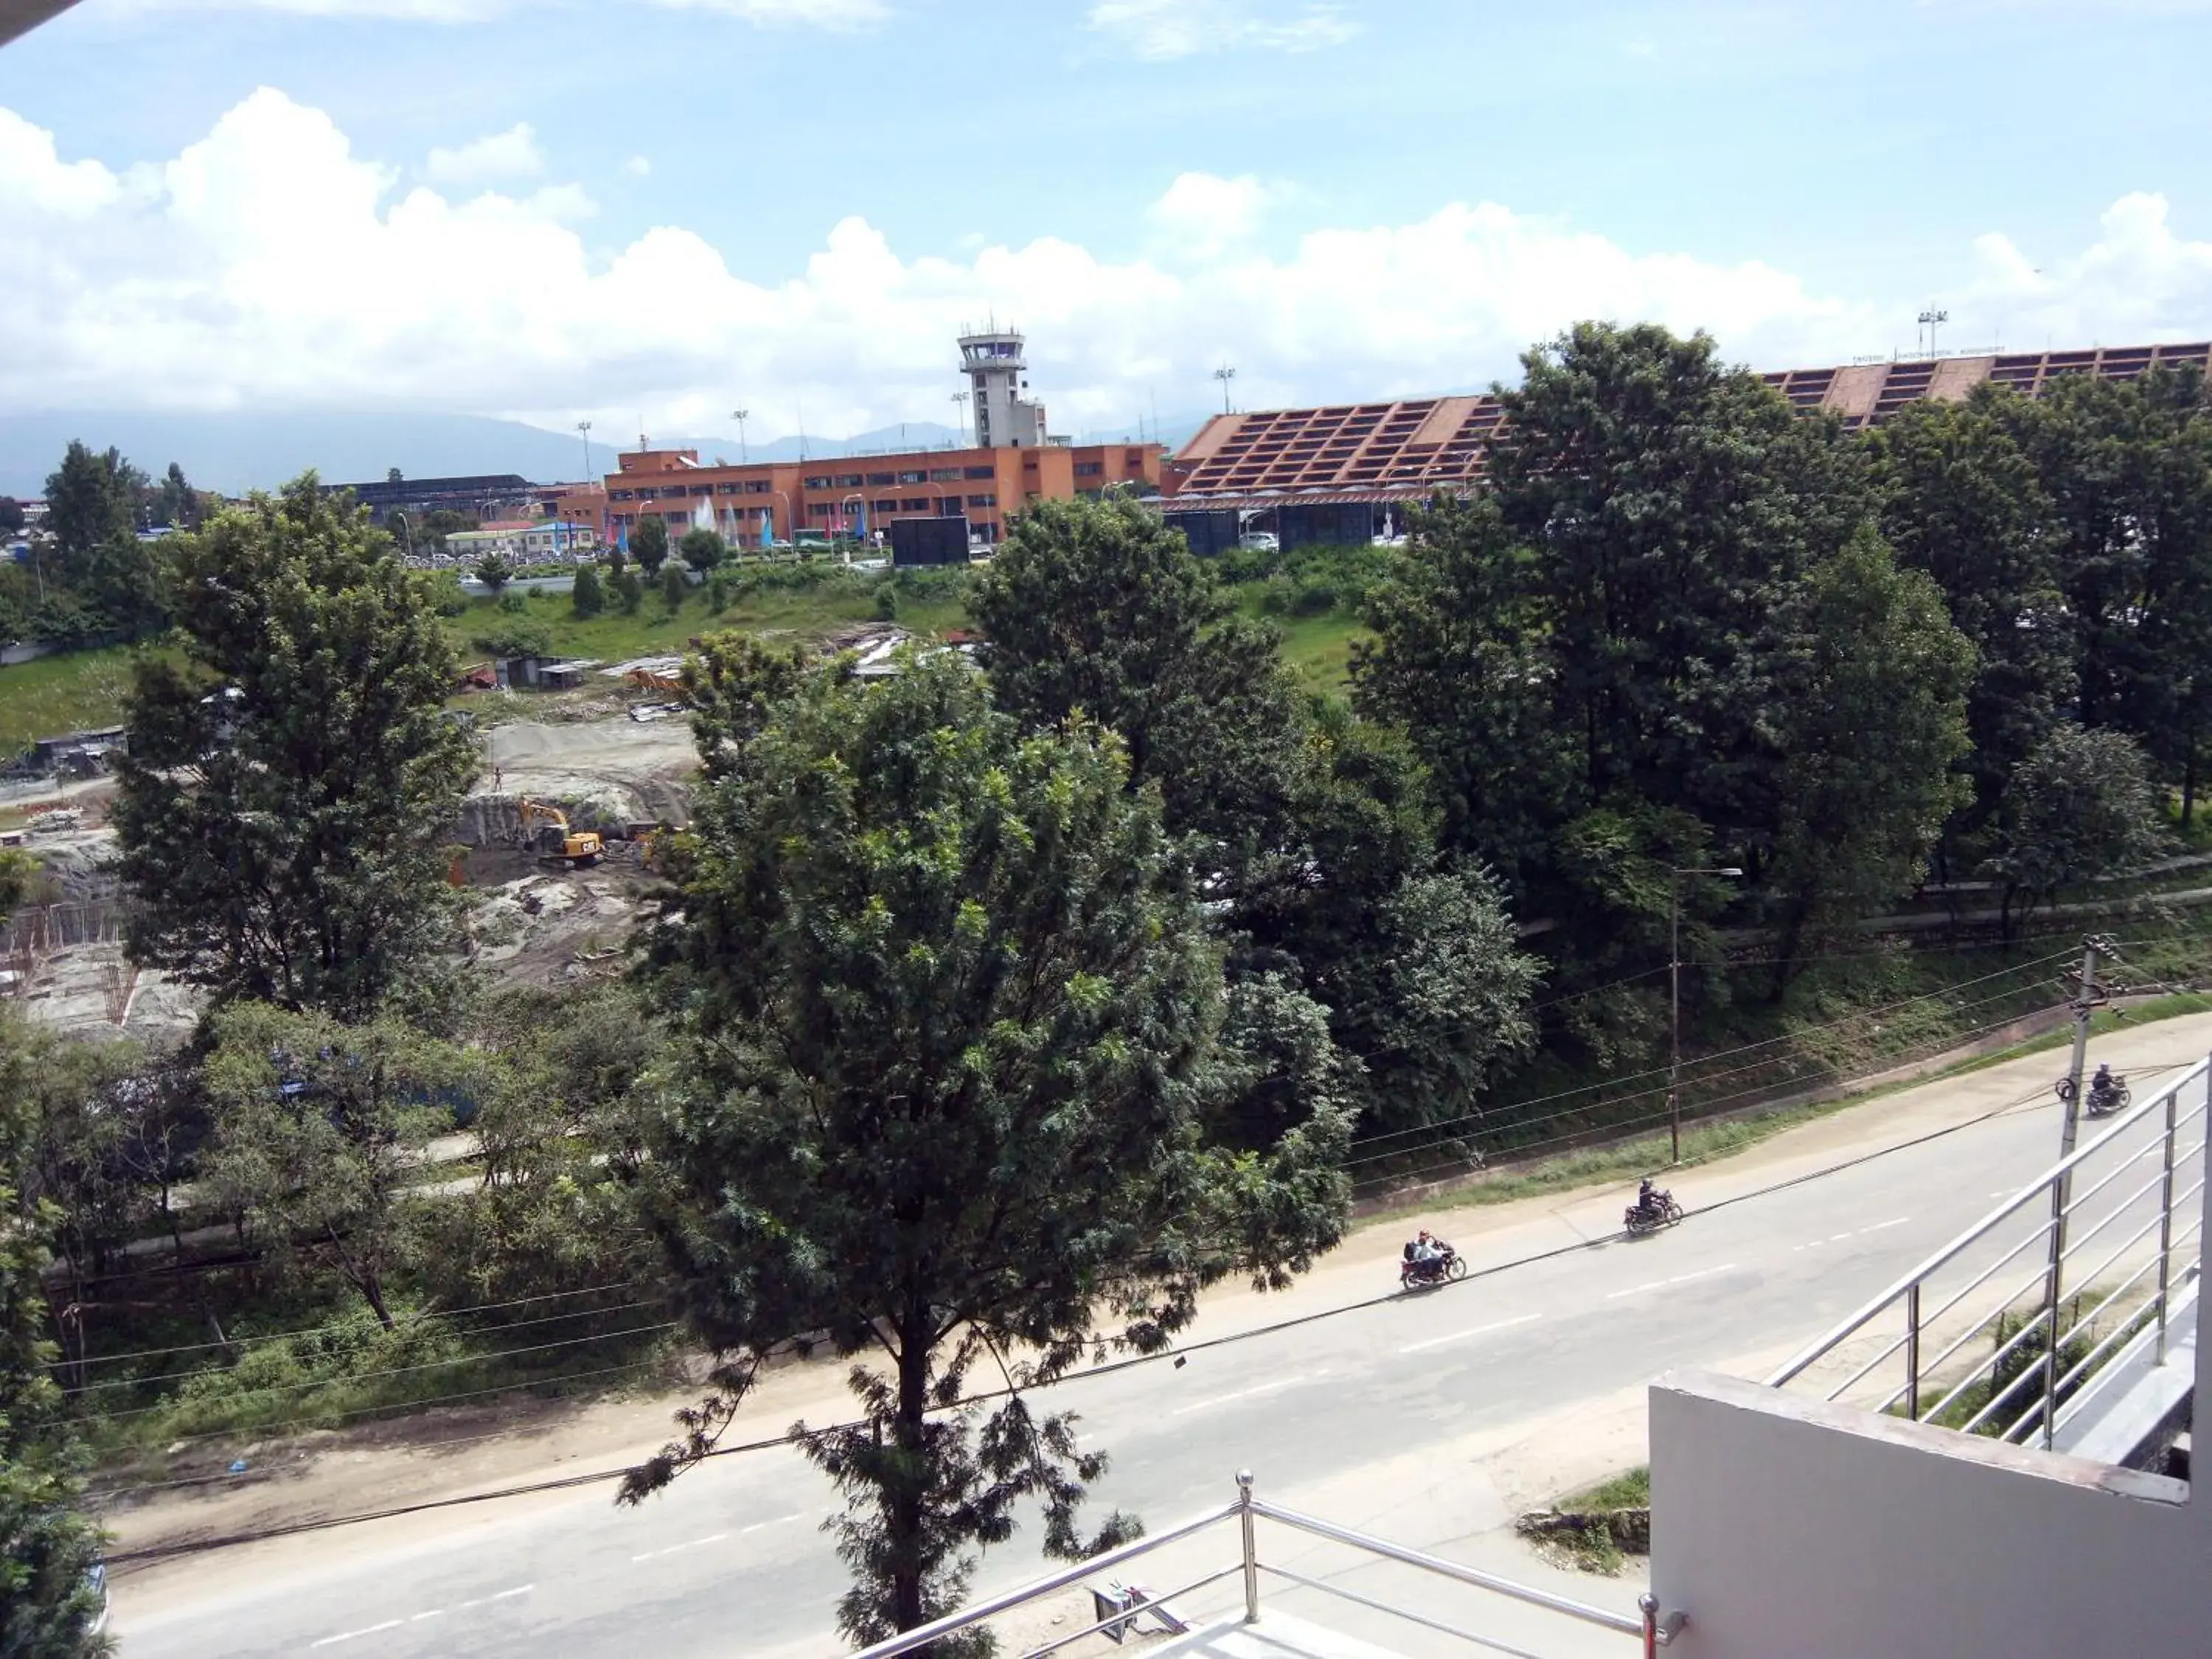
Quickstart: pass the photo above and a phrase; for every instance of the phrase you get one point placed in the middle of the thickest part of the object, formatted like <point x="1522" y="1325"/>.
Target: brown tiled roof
<point x="1382" y="450"/>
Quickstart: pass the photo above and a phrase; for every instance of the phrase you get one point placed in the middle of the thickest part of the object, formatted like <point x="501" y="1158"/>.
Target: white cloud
<point x="270" y="265"/>
<point x="2138" y="281"/>
<point x="1184" y="28"/>
<point x="637" y="167"/>
<point x="1203" y="215"/>
<point x="510" y="154"/>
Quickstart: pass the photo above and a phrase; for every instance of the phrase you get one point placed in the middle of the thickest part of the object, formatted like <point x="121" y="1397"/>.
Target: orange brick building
<point x="852" y="493"/>
<point x="988" y="482"/>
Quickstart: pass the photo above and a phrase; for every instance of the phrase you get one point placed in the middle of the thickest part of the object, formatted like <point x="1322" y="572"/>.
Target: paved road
<point x="731" y="1561"/>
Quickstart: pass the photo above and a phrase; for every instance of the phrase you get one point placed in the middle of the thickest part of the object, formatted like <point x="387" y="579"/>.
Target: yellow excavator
<point x="547" y="829"/>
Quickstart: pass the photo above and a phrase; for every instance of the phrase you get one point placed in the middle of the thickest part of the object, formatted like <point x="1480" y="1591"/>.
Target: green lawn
<point x="53" y="695"/>
<point x="85" y="689"/>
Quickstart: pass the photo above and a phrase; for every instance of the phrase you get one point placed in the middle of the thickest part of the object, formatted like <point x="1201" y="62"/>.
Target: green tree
<point x="1874" y="721"/>
<point x="176" y="503"/>
<point x="701" y="548"/>
<point x="617" y="561"/>
<point x="1665" y="498"/>
<point x="586" y="598"/>
<point x="126" y="581"/>
<point x="2080" y="806"/>
<point x="629" y="592"/>
<point x="493" y="572"/>
<point x="392" y="475"/>
<point x="318" y="1130"/>
<point x="1961" y="499"/>
<point x="673" y="587"/>
<point x="90" y="498"/>
<point x="12" y="517"/>
<point x="1097" y="608"/>
<point x="952" y="1075"/>
<point x="2127" y="465"/>
<point x="649" y="546"/>
<point x="48" y="1546"/>
<point x="284" y="805"/>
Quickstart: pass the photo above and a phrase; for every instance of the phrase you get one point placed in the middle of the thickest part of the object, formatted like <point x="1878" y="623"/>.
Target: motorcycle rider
<point x="1423" y="1254"/>
<point x="2101" y="1087"/>
<point x="1647" y="1197"/>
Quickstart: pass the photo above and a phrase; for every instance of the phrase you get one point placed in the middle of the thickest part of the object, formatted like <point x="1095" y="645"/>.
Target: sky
<point x="648" y="213"/>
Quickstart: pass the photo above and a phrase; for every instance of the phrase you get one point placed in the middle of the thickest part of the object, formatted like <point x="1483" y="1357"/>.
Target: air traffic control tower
<point x="1005" y="418"/>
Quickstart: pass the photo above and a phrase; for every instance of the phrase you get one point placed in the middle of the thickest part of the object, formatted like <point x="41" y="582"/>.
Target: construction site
<point x="556" y="843"/>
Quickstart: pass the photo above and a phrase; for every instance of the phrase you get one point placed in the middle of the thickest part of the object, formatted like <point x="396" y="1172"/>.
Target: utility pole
<point x="585" y="427"/>
<point x="2088" y="997"/>
<point x="961" y="399"/>
<point x="1928" y="320"/>
<point x="744" y="455"/>
<point x="1225" y="374"/>
<point x="1674" y="999"/>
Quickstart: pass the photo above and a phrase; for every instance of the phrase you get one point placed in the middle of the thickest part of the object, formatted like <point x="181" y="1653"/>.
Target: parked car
<point x="1260" y="541"/>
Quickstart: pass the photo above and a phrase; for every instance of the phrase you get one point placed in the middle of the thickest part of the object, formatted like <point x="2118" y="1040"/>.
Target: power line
<point x="202" y="1545"/>
<point x="318" y="1330"/>
<point x="169" y="1378"/>
<point x="1858" y="1015"/>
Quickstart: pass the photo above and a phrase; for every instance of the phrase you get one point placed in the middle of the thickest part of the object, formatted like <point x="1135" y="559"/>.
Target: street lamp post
<point x="1225" y="374"/>
<point x="1674" y="997"/>
<point x="961" y="399"/>
<point x="744" y="455"/>
<point x="585" y="427"/>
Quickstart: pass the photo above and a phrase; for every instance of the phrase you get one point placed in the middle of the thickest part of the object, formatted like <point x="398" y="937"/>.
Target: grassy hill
<point x="85" y="689"/>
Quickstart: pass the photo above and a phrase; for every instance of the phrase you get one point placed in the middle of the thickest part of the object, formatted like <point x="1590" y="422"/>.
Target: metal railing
<point x="1967" y="1341"/>
<point x="1647" y="1624"/>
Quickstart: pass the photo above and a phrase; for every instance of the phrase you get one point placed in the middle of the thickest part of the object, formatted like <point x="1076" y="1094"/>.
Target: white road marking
<point x="348" y="1635"/>
<point x="1462" y="1336"/>
<point x="1247" y="1393"/>
<point x="1664" y="1284"/>
<point x="434" y="1612"/>
<point x="1856" y="1233"/>
<point x="519" y="1590"/>
<point x="696" y="1543"/>
<point x="780" y="1521"/>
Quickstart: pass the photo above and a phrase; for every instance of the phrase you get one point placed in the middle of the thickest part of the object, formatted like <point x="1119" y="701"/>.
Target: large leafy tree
<point x="1961" y="499"/>
<point x="1663" y="498"/>
<point x="2127" y="467"/>
<point x="1097" y="608"/>
<point x="48" y="1546"/>
<point x="90" y="497"/>
<point x="952" y="1097"/>
<point x="286" y="801"/>
<point x="1317" y="831"/>
<point x="318" y="1132"/>
<point x="1875" y="682"/>
<point x="2080" y="806"/>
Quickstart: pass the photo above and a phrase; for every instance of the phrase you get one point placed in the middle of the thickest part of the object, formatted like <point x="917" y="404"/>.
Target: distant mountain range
<point x="235" y="453"/>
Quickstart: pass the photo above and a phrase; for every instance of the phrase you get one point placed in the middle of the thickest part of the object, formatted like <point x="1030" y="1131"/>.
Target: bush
<point x="523" y="637"/>
<point x="719" y="588"/>
<point x="586" y="598"/>
<point x="514" y="605"/>
<point x="701" y="548"/>
<point x="629" y="592"/>
<point x="887" y="602"/>
<point x="673" y="587"/>
<point x="442" y="591"/>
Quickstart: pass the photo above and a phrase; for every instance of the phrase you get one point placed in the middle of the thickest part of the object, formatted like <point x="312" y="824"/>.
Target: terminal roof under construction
<point x="1385" y="452"/>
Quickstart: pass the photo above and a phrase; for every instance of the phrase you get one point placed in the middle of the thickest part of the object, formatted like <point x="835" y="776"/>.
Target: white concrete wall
<point x="1789" y="1529"/>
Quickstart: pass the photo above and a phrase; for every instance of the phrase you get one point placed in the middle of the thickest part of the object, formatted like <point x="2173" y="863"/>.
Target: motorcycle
<point x="1444" y="1266"/>
<point x="2102" y="1102"/>
<point x="1662" y="1212"/>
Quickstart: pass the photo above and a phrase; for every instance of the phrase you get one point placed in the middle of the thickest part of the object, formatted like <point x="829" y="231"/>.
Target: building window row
<point x="991" y="500"/>
<point x="979" y="472"/>
<point x="1089" y="469"/>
